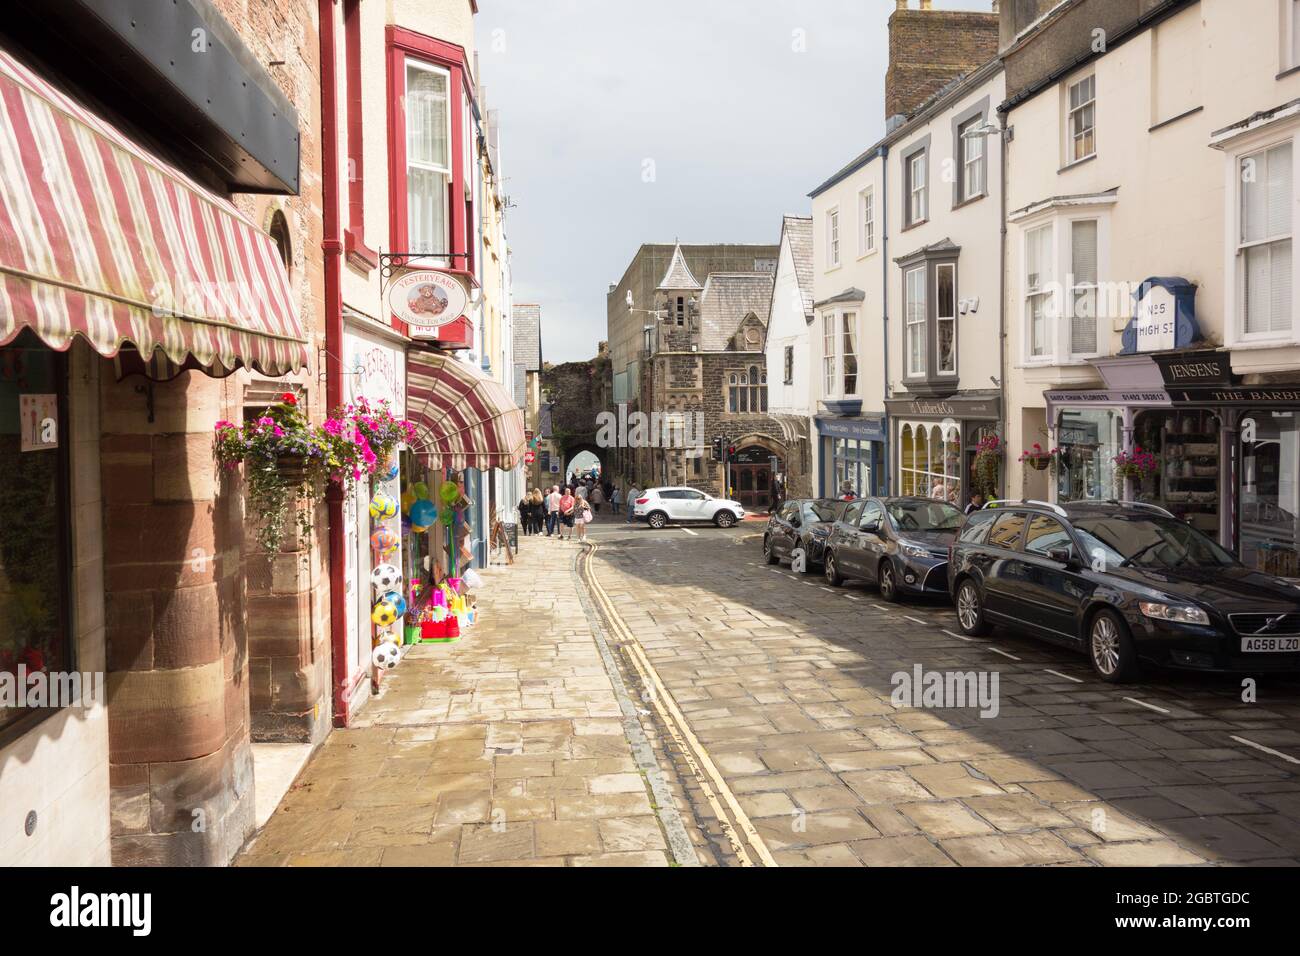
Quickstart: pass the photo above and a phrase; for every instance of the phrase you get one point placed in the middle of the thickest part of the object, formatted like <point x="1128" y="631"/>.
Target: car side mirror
<point x="1064" y="555"/>
<point x="872" y="527"/>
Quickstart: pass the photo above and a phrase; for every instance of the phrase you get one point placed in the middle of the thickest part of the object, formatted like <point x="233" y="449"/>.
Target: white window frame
<point x="1059" y="285"/>
<point x="1234" y="294"/>
<point x="911" y="327"/>
<point x="424" y="66"/>
<point x="940" y="319"/>
<point x="924" y="479"/>
<point x="833" y="238"/>
<point x="1070" y="111"/>
<point x="867" y="213"/>
<point x="918" y="187"/>
<point x="848" y="325"/>
<point x="829" y="352"/>
<point x="1289" y="32"/>
<point x="969" y="164"/>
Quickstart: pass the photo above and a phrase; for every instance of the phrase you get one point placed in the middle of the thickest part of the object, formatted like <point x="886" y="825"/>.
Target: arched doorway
<point x="581" y="458"/>
<point x="752" y="474"/>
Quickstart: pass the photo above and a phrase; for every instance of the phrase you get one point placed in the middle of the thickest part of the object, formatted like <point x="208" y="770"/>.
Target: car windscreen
<point x="922" y="515"/>
<point x="821" y="511"/>
<point x="1148" y="541"/>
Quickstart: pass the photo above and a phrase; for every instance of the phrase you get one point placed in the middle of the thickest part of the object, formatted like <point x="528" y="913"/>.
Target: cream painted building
<point x="904" y="347"/>
<point x="1170" y="155"/>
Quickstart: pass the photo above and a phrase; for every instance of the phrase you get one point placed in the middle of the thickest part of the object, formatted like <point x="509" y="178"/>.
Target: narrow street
<point x="760" y="699"/>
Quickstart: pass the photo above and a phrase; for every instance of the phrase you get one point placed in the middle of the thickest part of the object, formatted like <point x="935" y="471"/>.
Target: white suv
<point x="658" y="506"/>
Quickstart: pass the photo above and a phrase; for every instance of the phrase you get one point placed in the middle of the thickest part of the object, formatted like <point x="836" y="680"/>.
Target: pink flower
<point x="278" y="431"/>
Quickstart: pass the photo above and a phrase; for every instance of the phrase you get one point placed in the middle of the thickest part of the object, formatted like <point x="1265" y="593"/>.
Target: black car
<point x="800" y="523"/>
<point x="1125" y="583"/>
<point x="898" y="544"/>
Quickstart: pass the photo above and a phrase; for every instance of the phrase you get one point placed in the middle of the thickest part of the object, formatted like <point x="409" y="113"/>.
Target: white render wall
<point x="786" y="326"/>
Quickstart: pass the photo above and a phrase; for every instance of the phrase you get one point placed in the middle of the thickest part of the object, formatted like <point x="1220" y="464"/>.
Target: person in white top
<point x="633" y="494"/>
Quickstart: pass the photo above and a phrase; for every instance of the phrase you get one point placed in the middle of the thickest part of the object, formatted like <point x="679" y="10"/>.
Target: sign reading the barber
<point x="427" y="299"/>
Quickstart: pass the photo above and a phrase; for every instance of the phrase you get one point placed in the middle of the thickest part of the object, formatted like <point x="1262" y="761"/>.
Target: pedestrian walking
<point x="536" y="510"/>
<point x="568" y="504"/>
<point x="525" y="509"/>
<point x="581" y="490"/>
<point x="615" y="500"/>
<point x="596" y="499"/>
<point x="633" y="494"/>
<point x="552" y="511"/>
<point x="976" y="503"/>
<point x="582" y="517"/>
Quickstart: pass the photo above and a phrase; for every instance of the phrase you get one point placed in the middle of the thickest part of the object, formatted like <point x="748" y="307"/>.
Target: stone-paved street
<point x="504" y="748"/>
<point x="786" y="683"/>
<point x="512" y="746"/>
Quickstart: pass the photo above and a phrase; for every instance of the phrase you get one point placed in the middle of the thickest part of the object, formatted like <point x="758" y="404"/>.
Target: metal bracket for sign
<point x="390" y="262"/>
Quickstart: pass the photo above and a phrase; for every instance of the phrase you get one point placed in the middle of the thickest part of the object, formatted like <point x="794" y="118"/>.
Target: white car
<point x="658" y="506"/>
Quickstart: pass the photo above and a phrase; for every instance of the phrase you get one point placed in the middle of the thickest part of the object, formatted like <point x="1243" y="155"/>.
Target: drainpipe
<point x="884" y="304"/>
<point x="332" y="247"/>
<point x="1004" y="134"/>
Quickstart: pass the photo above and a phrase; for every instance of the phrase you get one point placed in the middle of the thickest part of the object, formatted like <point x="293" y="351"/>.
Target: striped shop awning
<point x="100" y="238"/>
<point x="464" y="419"/>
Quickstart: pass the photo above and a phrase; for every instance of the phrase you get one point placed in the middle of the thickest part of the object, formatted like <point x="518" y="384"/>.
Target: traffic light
<point x="731" y="452"/>
<point x="717" y="448"/>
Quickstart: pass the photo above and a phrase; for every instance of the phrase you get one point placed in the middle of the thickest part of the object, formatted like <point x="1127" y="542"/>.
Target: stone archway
<point x="752" y="474"/>
<point x="571" y="450"/>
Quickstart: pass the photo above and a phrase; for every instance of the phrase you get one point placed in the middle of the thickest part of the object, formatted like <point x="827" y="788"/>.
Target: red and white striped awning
<point x="464" y="419"/>
<point x="102" y="239"/>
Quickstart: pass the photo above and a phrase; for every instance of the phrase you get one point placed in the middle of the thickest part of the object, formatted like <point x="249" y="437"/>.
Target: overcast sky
<point x="742" y="107"/>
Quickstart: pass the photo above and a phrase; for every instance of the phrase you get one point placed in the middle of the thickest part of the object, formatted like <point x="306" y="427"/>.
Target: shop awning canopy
<point x="464" y="419"/>
<point x="102" y="239"/>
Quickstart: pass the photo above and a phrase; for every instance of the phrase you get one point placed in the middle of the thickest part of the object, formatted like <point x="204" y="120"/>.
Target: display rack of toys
<point x="385" y="577"/>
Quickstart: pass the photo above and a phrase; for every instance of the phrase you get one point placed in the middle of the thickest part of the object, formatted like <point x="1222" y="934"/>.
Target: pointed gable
<point x="679" y="275"/>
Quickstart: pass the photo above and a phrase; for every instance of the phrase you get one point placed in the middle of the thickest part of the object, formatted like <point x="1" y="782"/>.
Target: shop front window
<point x="851" y="466"/>
<point x="35" y="627"/>
<point x="1089" y="440"/>
<point x="1270" y="491"/>
<point x="929" y="463"/>
<point x="1186" y="483"/>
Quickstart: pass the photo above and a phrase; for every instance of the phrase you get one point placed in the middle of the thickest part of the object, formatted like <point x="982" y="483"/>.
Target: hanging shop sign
<point x="1164" y="317"/>
<point x="427" y="299"/>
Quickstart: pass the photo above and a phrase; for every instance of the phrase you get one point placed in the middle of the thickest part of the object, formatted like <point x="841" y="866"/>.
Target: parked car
<point x="1127" y="584"/>
<point x="801" y="523"/>
<point x="898" y="544"/>
<point x="658" y="506"/>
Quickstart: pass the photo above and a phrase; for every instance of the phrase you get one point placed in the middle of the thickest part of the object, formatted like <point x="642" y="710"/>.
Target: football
<point x="384" y="613"/>
<point x="386" y="655"/>
<point x="385" y="577"/>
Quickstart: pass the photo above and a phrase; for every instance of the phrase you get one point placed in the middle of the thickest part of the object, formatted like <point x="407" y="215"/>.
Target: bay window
<point x="828" y="353"/>
<point x="428" y="157"/>
<point x="1265" y="225"/>
<point x="1083" y="287"/>
<point x="945" y="280"/>
<point x="1038" y="291"/>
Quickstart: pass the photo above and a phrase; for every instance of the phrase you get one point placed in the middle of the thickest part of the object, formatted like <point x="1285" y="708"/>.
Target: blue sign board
<point x="1164" y="317"/>
<point x="863" y="429"/>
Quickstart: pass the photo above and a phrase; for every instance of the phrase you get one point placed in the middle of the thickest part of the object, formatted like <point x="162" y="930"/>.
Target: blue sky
<point x="742" y="106"/>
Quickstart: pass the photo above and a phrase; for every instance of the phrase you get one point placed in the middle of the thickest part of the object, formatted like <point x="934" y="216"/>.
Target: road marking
<point x="961" y="637"/>
<point x="694" y="534"/>
<point x="908" y="617"/>
<point x="693" y="752"/>
<point x="881" y="607"/>
<point x="1143" y="703"/>
<point x="1065" y="676"/>
<point x="1268" y="750"/>
<point x="853" y="597"/>
<point x="832" y="590"/>
<point x="998" y="650"/>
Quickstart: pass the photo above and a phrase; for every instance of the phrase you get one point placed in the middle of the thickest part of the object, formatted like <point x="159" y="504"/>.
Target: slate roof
<point x="727" y="298"/>
<point x="799" y="230"/>
<point x="679" y="275"/>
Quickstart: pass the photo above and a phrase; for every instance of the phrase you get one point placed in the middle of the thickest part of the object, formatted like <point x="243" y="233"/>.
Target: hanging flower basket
<point x="287" y="460"/>
<point x="987" y="466"/>
<point x="1137" y="464"/>
<point x="1038" y="459"/>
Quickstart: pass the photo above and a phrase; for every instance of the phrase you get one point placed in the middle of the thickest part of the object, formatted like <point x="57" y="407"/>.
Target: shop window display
<point x="1089" y="440"/>
<point x="35" y="625"/>
<point x="1187" y="477"/>
<point x="930" y="461"/>
<point x="1270" y="491"/>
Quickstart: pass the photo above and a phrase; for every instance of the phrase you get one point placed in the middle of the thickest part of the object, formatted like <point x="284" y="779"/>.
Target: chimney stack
<point x="929" y="48"/>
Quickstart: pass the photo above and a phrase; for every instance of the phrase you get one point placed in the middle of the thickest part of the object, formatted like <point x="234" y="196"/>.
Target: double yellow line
<point x="711" y="781"/>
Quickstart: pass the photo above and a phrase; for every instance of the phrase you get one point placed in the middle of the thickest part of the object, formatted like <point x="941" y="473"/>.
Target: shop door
<point x="753" y="485"/>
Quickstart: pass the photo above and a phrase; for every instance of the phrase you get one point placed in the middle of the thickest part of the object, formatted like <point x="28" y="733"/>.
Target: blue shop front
<point x="851" y="452"/>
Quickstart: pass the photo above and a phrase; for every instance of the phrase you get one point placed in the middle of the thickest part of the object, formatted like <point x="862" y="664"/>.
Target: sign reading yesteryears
<point x="427" y="298"/>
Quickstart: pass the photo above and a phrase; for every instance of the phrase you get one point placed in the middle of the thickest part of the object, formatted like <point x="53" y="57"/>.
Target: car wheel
<point x="887" y="581"/>
<point x="831" y="569"/>
<point x="970" y="609"/>
<point x="657" y="519"/>
<point x="768" y="554"/>
<point x="1110" y="648"/>
<point x="724" y="519"/>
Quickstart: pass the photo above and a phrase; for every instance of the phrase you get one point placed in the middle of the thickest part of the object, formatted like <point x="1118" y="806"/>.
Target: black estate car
<point x="1124" y="583"/>
<point x="898" y="544"/>
<point x="800" y="523"/>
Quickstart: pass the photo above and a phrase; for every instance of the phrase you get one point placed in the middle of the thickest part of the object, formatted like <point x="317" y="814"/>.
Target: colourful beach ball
<point x="382" y="506"/>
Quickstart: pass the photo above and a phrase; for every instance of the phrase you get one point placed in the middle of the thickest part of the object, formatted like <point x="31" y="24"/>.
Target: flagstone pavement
<point x="506" y="748"/>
